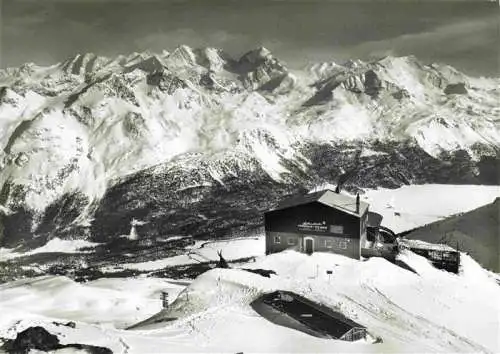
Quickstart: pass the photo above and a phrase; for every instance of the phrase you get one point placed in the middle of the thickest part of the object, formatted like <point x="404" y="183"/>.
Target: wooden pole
<point x="164" y="299"/>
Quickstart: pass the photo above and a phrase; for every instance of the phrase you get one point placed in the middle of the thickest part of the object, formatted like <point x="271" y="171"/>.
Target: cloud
<point x="295" y="31"/>
<point x="469" y="45"/>
<point x="446" y="41"/>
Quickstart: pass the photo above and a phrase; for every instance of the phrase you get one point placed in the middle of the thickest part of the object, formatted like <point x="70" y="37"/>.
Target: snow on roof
<point x="334" y="315"/>
<point x="343" y="202"/>
<point x="427" y="245"/>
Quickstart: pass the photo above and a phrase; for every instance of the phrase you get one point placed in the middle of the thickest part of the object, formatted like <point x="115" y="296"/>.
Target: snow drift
<point x="431" y="311"/>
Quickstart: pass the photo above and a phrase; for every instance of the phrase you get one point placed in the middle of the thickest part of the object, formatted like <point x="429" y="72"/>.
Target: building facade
<point x="323" y="221"/>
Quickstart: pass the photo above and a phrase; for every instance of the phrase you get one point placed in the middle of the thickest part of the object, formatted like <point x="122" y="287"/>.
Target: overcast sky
<point x="464" y="34"/>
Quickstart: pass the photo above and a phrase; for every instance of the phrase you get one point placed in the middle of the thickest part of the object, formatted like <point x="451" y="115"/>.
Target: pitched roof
<point x="329" y="198"/>
<point x="426" y="245"/>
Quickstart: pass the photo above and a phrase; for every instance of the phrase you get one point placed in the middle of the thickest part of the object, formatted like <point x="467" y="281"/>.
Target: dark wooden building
<point x="441" y="256"/>
<point x="321" y="221"/>
<point x="292" y="310"/>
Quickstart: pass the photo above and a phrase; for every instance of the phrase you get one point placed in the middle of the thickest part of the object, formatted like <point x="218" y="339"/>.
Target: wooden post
<point x="164" y="299"/>
<point x="329" y="272"/>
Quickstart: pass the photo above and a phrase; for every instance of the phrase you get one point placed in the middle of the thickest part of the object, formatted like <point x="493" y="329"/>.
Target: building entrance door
<point x="309" y="245"/>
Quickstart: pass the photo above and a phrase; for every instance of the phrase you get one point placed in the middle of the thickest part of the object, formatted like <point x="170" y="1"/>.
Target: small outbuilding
<point x="323" y="221"/>
<point x="441" y="256"/>
<point x="291" y="310"/>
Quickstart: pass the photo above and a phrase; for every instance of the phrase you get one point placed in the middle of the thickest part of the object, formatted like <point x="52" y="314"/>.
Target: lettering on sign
<point x="313" y="226"/>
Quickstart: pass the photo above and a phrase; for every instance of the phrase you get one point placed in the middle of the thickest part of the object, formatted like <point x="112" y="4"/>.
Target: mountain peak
<point x="393" y="61"/>
<point x="213" y="59"/>
<point x="149" y="65"/>
<point x="72" y="130"/>
<point x="256" y="56"/>
<point x="354" y="64"/>
<point x="82" y="63"/>
<point x="181" y="56"/>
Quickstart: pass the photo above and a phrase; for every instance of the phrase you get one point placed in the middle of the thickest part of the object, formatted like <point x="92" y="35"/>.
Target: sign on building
<point x="313" y="226"/>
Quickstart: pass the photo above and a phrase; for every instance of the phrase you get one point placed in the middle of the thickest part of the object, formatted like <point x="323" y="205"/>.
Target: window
<point x="328" y="243"/>
<point x="291" y="241"/>
<point x="342" y="245"/>
<point x="336" y="229"/>
<point x="277" y="239"/>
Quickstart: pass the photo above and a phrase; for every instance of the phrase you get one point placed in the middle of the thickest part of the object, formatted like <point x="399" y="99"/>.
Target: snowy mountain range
<point x="196" y="142"/>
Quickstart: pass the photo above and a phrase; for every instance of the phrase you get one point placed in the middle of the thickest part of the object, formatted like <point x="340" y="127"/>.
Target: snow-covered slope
<point x="71" y="131"/>
<point x="475" y="231"/>
<point x="55" y="245"/>
<point x="411" y="207"/>
<point x="432" y="311"/>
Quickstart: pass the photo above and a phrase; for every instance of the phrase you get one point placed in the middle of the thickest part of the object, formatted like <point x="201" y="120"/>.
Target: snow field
<point x="430" y="312"/>
<point x="433" y="311"/>
<point x="419" y="205"/>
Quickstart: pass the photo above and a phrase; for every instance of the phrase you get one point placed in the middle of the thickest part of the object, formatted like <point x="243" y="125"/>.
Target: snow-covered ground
<point x="205" y="251"/>
<point x="54" y="245"/>
<point x="433" y="311"/>
<point x="118" y="302"/>
<point x="412" y="206"/>
<point x="403" y="209"/>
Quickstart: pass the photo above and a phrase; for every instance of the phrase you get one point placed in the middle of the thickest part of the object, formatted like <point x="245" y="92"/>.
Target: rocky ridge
<point x="196" y="142"/>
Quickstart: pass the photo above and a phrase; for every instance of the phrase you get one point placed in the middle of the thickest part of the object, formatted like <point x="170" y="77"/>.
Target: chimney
<point x="357" y="203"/>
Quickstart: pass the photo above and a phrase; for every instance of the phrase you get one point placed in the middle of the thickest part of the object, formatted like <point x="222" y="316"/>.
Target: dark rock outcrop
<point x="186" y="200"/>
<point x="372" y="84"/>
<point x="38" y="338"/>
<point x="456" y="89"/>
<point x="211" y="209"/>
<point x="258" y="67"/>
<point x="34" y="338"/>
<point x="165" y="81"/>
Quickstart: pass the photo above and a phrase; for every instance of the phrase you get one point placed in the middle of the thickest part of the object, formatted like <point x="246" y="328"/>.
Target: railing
<point x="354" y="334"/>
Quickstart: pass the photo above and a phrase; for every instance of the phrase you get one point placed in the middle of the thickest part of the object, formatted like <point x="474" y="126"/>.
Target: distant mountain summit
<point x="203" y="119"/>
